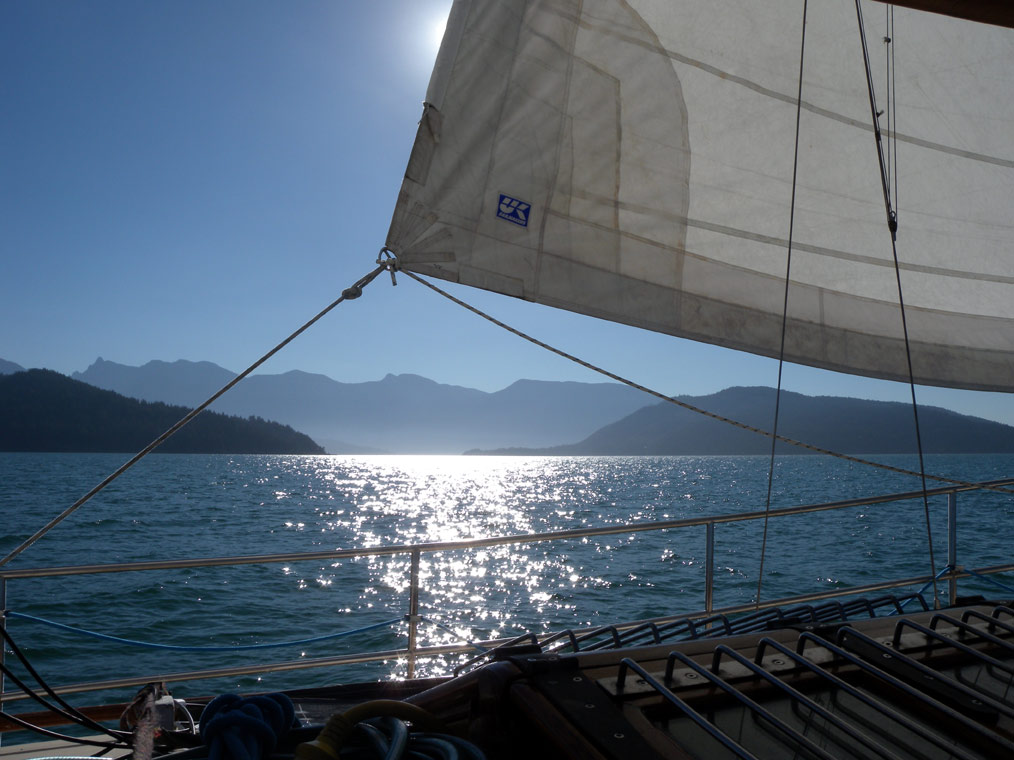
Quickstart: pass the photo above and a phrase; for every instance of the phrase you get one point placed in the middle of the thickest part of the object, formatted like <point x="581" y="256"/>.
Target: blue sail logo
<point x="513" y="210"/>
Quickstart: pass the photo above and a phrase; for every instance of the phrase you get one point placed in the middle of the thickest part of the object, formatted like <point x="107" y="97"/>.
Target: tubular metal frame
<point x="413" y="652"/>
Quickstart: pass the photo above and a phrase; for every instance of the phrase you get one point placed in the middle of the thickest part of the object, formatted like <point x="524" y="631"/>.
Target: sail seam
<point x="726" y="76"/>
<point x="690" y="407"/>
<point x="757" y="237"/>
<point x="563" y="125"/>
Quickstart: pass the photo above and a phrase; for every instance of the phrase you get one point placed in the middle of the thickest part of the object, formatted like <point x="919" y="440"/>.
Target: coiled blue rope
<point x="181" y="648"/>
<point x="245" y="728"/>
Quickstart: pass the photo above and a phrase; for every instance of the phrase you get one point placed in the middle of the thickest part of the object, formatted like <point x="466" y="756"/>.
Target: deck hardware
<point x="942" y="689"/>
<point x="836" y="683"/>
<point x="589" y="709"/>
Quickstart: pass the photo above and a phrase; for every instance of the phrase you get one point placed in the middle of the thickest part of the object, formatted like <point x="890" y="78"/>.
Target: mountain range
<point x="411" y="414"/>
<point x="42" y="410"/>
<point x="9" y="368"/>
<point x="847" y="425"/>
<point x="405" y="414"/>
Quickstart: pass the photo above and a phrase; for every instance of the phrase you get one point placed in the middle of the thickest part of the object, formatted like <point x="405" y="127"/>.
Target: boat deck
<point x="923" y="686"/>
<point x="56" y="749"/>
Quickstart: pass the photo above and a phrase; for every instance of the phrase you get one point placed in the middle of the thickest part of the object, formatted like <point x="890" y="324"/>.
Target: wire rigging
<point x="62" y="737"/>
<point x="348" y="294"/>
<point x="65" y="710"/>
<point x="893" y="103"/>
<point x="785" y="311"/>
<point x="697" y="410"/>
<point x="892" y="221"/>
<point x="889" y="111"/>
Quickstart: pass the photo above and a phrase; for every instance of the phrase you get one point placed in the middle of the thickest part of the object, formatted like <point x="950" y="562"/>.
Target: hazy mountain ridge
<point x="412" y="414"/>
<point x="847" y="425"/>
<point x="9" y="368"/>
<point x="42" y="410"/>
<point x="400" y="413"/>
<point x="181" y="383"/>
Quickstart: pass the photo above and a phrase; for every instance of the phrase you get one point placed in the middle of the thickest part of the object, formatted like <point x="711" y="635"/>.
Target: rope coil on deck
<point x="245" y="728"/>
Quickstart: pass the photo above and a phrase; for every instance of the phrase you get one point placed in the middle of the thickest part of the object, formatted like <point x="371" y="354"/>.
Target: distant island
<point x="846" y="425"/>
<point x="42" y="410"/>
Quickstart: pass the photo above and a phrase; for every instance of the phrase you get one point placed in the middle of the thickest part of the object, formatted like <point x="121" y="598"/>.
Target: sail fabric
<point x="633" y="160"/>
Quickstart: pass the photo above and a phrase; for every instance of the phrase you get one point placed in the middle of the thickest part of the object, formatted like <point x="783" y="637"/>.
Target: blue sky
<point x="194" y="179"/>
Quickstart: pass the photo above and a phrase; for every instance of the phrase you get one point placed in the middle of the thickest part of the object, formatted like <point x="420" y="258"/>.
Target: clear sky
<point x="192" y="179"/>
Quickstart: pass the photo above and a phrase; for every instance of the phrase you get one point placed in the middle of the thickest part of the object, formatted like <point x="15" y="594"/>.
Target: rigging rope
<point x="892" y="219"/>
<point x="62" y="707"/>
<point x="785" y="312"/>
<point x="690" y="407"/>
<point x="185" y="648"/>
<point x="892" y="222"/>
<point x="348" y="294"/>
<point x="892" y="103"/>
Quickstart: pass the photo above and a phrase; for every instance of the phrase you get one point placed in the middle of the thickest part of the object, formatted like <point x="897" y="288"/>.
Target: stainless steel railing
<point x="951" y="573"/>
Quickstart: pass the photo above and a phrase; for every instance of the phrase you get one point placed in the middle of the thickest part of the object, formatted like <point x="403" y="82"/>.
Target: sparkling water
<point x="185" y="506"/>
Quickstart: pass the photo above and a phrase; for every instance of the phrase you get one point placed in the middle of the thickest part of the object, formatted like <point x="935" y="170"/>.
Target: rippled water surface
<point x="177" y="506"/>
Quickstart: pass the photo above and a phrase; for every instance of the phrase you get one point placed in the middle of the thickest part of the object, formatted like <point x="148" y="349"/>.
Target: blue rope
<point x="179" y="648"/>
<point x="990" y="579"/>
<point x="927" y="587"/>
<point x="237" y="728"/>
<point x="443" y="745"/>
<point x="980" y="576"/>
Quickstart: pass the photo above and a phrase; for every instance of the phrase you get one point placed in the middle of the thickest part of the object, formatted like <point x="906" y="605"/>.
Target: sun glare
<point x="437" y="27"/>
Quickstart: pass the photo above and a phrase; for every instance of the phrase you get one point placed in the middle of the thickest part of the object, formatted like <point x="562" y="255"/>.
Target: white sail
<point x="633" y="160"/>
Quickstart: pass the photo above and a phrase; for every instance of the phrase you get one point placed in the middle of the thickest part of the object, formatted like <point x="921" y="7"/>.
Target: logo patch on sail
<point x="513" y="210"/>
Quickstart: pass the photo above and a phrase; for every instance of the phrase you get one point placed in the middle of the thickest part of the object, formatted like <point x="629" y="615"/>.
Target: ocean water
<point x="184" y="506"/>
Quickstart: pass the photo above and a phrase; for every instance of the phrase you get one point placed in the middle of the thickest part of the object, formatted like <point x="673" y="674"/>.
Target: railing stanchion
<point x="413" y="611"/>
<point x="412" y="652"/>
<point x="952" y="545"/>
<point x="709" y="569"/>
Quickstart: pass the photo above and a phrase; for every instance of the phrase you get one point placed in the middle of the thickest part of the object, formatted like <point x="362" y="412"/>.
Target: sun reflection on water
<point x="481" y="593"/>
<point x="341" y="502"/>
<point x="218" y="506"/>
